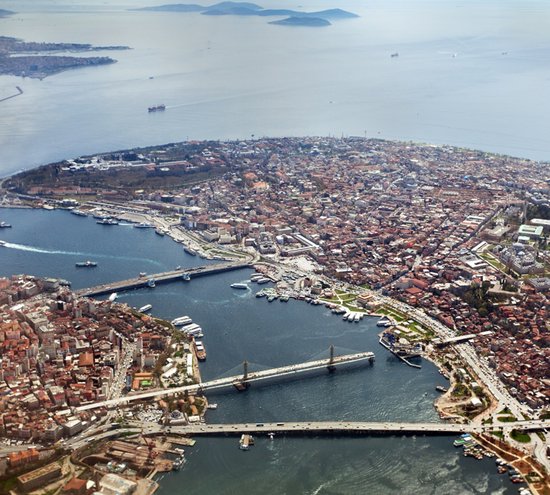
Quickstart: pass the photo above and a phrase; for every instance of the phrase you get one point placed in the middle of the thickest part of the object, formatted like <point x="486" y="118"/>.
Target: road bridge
<point x="240" y="382"/>
<point x="170" y="276"/>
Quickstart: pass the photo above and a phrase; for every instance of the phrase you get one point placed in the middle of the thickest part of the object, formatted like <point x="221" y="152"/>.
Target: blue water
<point x="469" y="73"/>
<point x="239" y="326"/>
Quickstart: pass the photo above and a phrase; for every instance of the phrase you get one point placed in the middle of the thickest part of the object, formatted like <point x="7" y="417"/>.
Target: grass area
<point x="229" y="254"/>
<point x="6" y="486"/>
<point x="497" y="433"/>
<point x="460" y="390"/>
<point x="506" y="419"/>
<point x="487" y="421"/>
<point x="505" y="411"/>
<point x="493" y="261"/>
<point x="520" y="436"/>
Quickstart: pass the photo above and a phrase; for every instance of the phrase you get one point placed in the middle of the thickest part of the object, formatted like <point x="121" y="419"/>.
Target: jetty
<point x="159" y="278"/>
<point x="19" y="92"/>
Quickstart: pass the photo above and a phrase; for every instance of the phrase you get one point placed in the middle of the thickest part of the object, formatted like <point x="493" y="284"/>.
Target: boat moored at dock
<point x="107" y="221"/>
<point x="144" y="309"/>
<point x="200" y="350"/>
<point x="182" y="320"/>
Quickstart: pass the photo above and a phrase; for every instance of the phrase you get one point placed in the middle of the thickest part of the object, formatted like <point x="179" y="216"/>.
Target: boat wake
<point x="32" y="249"/>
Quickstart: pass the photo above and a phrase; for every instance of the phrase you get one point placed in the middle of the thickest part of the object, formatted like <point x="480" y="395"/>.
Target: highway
<point x="291" y="370"/>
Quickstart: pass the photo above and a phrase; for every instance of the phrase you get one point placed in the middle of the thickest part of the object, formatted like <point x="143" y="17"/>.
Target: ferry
<point x="156" y="108"/>
<point x="256" y="277"/>
<point x="5" y="225"/>
<point x="441" y="389"/>
<point x="383" y="322"/>
<point x="212" y="406"/>
<point x="143" y="225"/>
<point x="182" y="320"/>
<point x="263" y="280"/>
<point x="159" y="232"/>
<point x="113" y="297"/>
<point x="86" y="264"/>
<point x="246" y="441"/>
<point x="190" y="251"/>
<point x="107" y="221"/>
<point x="144" y="309"/>
<point x="79" y="213"/>
<point x="2" y="243"/>
<point x="201" y="351"/>
<point x="239" y="286"/>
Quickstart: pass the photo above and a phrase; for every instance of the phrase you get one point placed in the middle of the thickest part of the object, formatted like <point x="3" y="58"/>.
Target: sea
<point x="468" y="73"/>
<point x="238" y="327"/>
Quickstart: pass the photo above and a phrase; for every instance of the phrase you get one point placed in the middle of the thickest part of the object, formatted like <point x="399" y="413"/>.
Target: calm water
<point x="231" y="77"/>
<point x="239" y="326"/>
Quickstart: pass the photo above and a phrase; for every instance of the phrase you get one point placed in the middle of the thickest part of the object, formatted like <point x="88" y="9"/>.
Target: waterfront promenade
<point x="170" y="276"/>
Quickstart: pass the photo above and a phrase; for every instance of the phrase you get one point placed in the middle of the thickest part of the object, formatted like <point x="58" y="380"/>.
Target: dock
<point x="159" y="278"/>
<point x="403" y="358"/>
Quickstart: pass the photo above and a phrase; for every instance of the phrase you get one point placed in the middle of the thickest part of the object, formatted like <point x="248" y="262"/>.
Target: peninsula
<point x="37" y="60"/>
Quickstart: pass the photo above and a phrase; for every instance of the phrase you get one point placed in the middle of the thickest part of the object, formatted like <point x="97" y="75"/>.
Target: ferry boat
<point x="239" y="286"/>
<point x="159" y="232"/>
<point x="143" y="225"/>
<point x="383" y="322"/>
<point x="157" y="108"/>
<point x="212" y="406"/>
<point x="5" y="225"/>
<point x="86" y="264"/>
<point x="263" y="280"/>
<point x="113" y="297"/>
<point x="182" y="320"/>
<point x="246" y="441"/>
<point x="144" y="309"/>
<point x="256" y="277"/>
<point x="107" y="221"/>
<point x="441" y="389"/>
<point x="2" y="243"/>
<point x="79" y="213"/>
<point x="201" y="351"/>
<point x="190" y="251"/>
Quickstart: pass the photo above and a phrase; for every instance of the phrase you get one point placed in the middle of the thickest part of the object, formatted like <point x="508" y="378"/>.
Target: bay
<point x="239" y="326"/>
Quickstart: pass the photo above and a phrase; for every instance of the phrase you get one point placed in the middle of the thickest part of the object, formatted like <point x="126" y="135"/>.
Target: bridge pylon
<point x="242" y="384"/>
<point x="331" y="366"/>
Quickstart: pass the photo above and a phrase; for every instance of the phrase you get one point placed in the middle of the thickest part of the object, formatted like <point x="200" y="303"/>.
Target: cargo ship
<point x="157" y="108"/>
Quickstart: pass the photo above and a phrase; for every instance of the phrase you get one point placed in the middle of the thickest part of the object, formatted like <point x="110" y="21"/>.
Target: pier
<point x="240" y="382"/>
<point x="159" y="278"/>
<point x="20" y="92"/>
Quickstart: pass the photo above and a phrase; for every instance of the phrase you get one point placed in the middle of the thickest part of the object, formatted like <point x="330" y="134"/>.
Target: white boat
<point x="263" y="280"/>
<point x="143" y="225"/>
<point x="239" y="286"/>
<point x="2" y="243"/>
<point x="145" y="308"/>
<point x="182" y="320"/>
<point x="113" y="297"/>
<point x="212" y="406"/>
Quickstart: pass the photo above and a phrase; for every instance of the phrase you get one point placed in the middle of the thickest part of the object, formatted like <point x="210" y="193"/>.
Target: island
<point x="35" y="60"/>
<point x="302" y="21"/>
<point x="5" y="13"/>
<point x="291" y="17"/>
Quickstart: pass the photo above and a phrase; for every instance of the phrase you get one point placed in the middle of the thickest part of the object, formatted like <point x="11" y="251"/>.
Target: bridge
<point x="240" y="382"/>
<point x="170" y="276"/>
<point x="339" y="427"/>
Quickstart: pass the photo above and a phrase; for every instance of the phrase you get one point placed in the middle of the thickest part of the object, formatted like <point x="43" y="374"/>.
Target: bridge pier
<point x="331" y="368"/>
<point x="242" y="384"/>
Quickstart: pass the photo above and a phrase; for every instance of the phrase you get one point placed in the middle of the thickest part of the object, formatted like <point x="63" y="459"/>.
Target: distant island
<point x="302" y="21"/>
<point x="32" y="59"/>
<point x="291" y="17"/>
<point x="4" y="12"/>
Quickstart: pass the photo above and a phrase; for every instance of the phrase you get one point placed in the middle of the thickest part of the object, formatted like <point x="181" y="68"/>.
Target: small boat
<point x="113" y="297"/>
<point x="212" y="406"/>
<point x="144" y="309"/>
<point x="239" y="286"/>
<point x="190" y="251"/>
<point x="151" y="283"/>
<point x="186" y="277"/>
<point x="159" y="232"/>
<point x="142" y="274"/>
<point x="263" y="280"/>
<point x="200" y="350"/>
<point x="440" y="388"/>
<point x="86" y="264"/>
<point x="246" y="441"/>
<point x="271" y="435"/>
<point x="157" y="108"/>
<point x="395" y="54"/>
<point x="260" y="294"/>
<point x="2" y="243"/>
<point x="5" y="225"/>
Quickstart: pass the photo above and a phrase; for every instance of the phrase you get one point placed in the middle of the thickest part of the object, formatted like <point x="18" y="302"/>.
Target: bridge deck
<point x="282" y="371"/>
<point x="138" y="282"/>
